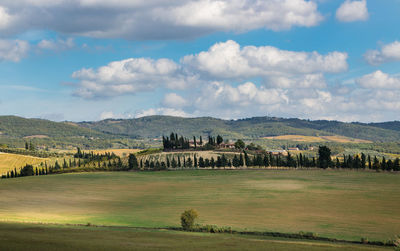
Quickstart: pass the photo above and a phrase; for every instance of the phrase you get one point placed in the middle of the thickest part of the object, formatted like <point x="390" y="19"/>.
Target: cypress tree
<point x="235" y="161"/>
<point x="132" y="162"/>
<point x="201" y="162"/>
<point x="266" y="161"/>
<point x="369" y="162"/>
<point x="375" y="165"/>
<point x="189" y="162"/>
<point x="396" y="165"/>
<point x="241" y="161"/>
<point x="383" y="164"/>
<point x="363" y="161"/>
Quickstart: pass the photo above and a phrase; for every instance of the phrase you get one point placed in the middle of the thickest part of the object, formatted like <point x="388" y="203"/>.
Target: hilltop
<point x="250" y="128"/>
<point x="128" y="132"/>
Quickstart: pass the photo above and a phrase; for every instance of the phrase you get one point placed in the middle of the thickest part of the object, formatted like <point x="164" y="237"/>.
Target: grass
<point x="339" y="204"/>
<point x="10" y="161"/>
<point x="50" y="237"/>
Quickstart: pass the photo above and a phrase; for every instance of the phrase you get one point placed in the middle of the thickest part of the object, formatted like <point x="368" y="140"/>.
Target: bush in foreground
<point x="188" y="218"/>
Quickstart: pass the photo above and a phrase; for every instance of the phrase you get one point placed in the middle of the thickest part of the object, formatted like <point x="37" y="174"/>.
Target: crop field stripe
<point x="41" y="237"/>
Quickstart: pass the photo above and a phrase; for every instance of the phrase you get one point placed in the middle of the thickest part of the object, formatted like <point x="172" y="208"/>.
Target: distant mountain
<point x="155" y="126"/>
<point x="393" y="125"/>
<point x="13" y="126"/>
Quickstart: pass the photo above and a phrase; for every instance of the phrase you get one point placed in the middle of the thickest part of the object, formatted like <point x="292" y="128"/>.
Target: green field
<point x="45" y="237"/>
<point x="341" y="204"/>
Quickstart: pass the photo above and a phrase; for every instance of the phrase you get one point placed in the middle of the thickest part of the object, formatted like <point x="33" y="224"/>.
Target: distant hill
<point x="155" y="126"/>
<point x="13" y="126"/>
<point x="393" y="125"/>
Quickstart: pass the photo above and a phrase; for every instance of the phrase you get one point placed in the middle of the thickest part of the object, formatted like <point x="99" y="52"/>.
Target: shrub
<point x="396" y="242"/>
<point x="188" y="218"/>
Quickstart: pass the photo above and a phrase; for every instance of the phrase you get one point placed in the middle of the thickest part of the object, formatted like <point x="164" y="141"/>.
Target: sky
<point x="88" y="60"/>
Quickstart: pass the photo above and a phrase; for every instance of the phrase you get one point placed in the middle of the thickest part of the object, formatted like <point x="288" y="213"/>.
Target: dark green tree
<point x="219" y="140"/>
<point x="324" y="157"/>
<point x="27" y="170"/>
<point x="239" y="144"/>
<point x="132" y="162"/>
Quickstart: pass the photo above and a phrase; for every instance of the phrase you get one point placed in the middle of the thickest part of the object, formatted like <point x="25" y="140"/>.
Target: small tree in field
<point x="187" y="219"/>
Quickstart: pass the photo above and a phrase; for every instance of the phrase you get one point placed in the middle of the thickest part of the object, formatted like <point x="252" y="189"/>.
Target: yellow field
<point x="119" y="152"/>
<point x="10" y="161"/>
<point x="303" y="138"/>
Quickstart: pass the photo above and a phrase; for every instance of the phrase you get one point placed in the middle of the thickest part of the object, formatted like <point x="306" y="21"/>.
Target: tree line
<point x="175" y="142"/>
<point x="111" y="162"/>
<point x="244" y="159"/>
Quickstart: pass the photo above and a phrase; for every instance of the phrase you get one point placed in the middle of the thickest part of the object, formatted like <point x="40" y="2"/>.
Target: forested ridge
<point x="157" y="126"/>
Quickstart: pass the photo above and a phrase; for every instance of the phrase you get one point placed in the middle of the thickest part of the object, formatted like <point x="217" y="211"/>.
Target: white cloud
<point x="156" y="19"/>
<point x="222" y="62"/>
<point x="280" y="68"/>
<point x="130" y="76"/>
<point x="351" y="11"/>
<point x="174" y="100"/>
<point x="56" y="44"/>
<point x="5" y="18"/>
<point x="107" y="115"/>
<point x="162" y="111"/>
<point x="13" y="50"/>
<point x="229" y="101"/>
<point x="388" y="52"/>
<point x="379" y="80"/>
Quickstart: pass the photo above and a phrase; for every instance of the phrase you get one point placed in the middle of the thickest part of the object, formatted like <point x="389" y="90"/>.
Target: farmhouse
<point x="227" y="145"/>
<point x="293" y="149"/>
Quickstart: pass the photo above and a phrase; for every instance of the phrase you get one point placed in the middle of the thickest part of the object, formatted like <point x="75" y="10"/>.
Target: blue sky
<point x="95" y="59"/>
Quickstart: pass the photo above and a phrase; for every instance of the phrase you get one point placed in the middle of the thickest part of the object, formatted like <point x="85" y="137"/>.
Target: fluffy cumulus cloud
<point x="379" y="80"/>
<point x="222" y="62"/>
<point x="389" y="52"/>
<point x="351" y="11"/>
<point x="230" y="101"/>
<point x="232" y="82"/>
<point x="13" y="50"/>
<point x="174" y="100"/>
<point x="155" y="19"/>
<point x="130" y="76"/>
<point x="228" y="60"/>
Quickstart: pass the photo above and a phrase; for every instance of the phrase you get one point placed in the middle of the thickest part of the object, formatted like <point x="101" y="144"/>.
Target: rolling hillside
<point x="155" y="126"/>
<point x="39" y="128"/>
